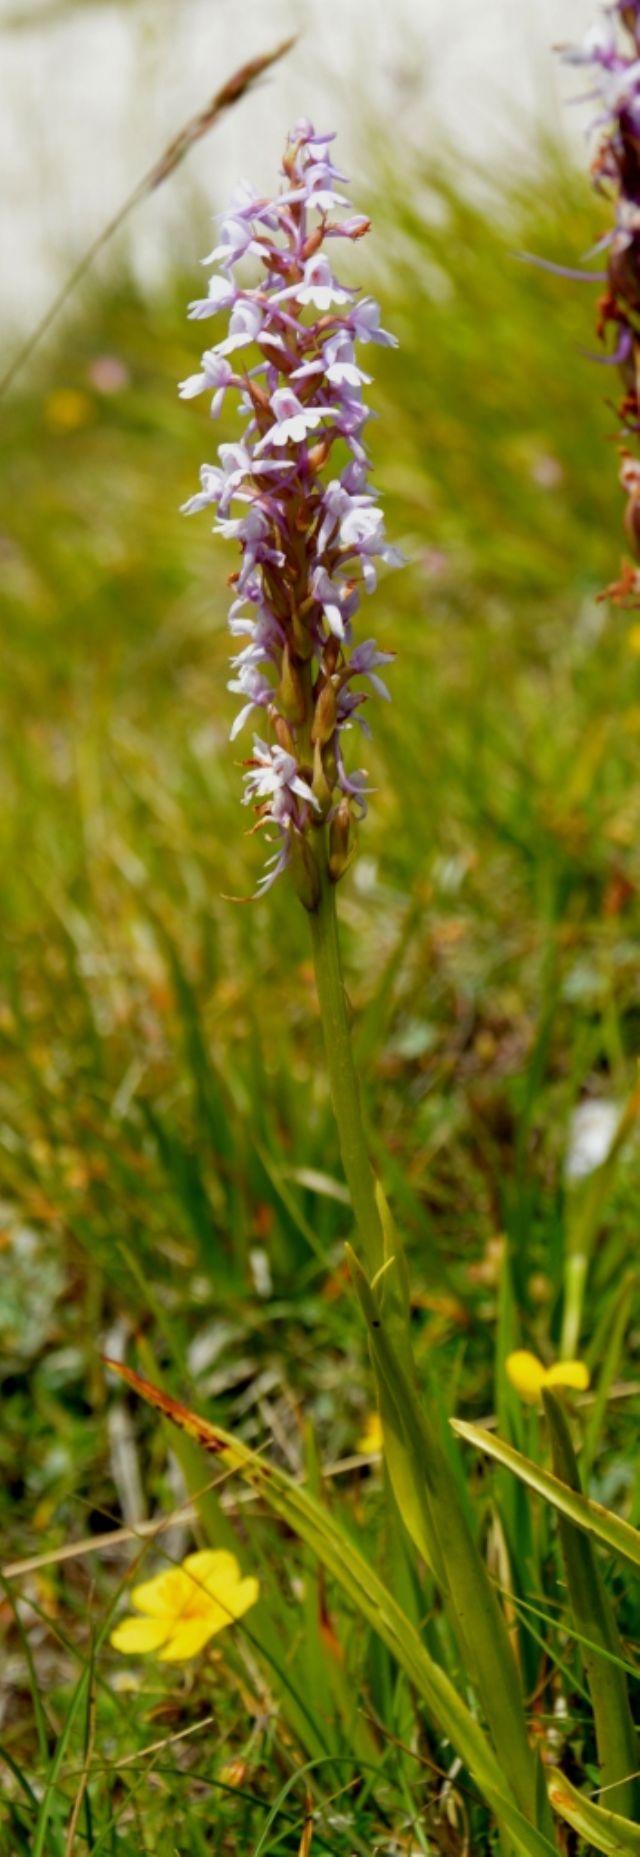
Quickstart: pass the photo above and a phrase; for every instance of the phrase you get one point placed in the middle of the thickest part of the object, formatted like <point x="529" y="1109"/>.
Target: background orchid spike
<point x="612" y="48"/>
<point x="307" y="524"/>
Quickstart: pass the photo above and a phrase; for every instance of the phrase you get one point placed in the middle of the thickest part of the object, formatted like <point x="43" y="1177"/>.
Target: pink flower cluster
<point x="293" y="493"/>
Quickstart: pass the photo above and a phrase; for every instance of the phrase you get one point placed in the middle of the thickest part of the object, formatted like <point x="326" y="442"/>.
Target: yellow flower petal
<point x="137" y="1635"/>
<point x="187" y="1638"/>
<point x="189" y="1635"/>
<point x="227" y="1603"/>
<point x="526" y="1374"/>
<point x="233" y="1772"/>
<point x="371" y="1439"/>
<point x="529" y="1376"/>
<point x="568" y="1373"/>
<point x="212" y="1567"/>
<point x="67" y="408"/>
<point x="242" y="1596"/>
<point x="163" y="1596"/>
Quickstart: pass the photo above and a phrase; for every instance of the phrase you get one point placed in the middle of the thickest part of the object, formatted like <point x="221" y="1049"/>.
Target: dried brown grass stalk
<point x="224" y="99"/>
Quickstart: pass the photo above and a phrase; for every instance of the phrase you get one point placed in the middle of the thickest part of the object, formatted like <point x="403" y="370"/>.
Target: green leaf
<point x="49" y="1798"/>
<point x="396" y="1289"/>
<point x="608" y="1359"/>
<point x="411" y="1492"/>
<point x="608" y="1528"/>
<point x="276" y="1176"/>
<point x="604" y="1831"/>
<point x="427" y="1493"/>
<point x="616" y="1738"/>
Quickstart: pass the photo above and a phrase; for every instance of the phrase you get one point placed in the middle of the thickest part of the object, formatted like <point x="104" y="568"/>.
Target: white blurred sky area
<point x="90" y="95"/>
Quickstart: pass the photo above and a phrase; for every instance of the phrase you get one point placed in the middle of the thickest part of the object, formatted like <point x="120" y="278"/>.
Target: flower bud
<point x="330" y="655"/>
<point x="303" y="865"/>
<point x="301" y="636"/>
<point x="291" y="695"/>
<point x="283" y="735"/>
<point x="342" y="842"/>
<point x="320" y="784"/>
<point x="325" y="715"/>
<point x="319" y="453"/>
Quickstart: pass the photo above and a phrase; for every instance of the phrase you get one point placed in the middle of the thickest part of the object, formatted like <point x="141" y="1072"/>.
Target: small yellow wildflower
<point x="528" y="1375"/>
<point x="233" y="1773"/>
<point x="633" y="638"/>
<point x="184" y="1607"/>
<point x="67" y="408"/>
<point x="370" y="1441"/>
<point x="630" y="718"/>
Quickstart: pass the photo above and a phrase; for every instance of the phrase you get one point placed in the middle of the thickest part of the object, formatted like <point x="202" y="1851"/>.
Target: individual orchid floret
<point x="292" y="420"/>
<point x="244" y="327"/>
<point x="221" y="295"/>
<point x="216" y="373"/>
<point x="308" y="527"/>
<point x="364" y="662"/>
<point x="364" y="324"/>
<point x="274" y="776"/>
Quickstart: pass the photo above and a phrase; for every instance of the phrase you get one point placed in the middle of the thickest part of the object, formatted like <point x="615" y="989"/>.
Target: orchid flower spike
<point x="611" y="49"/>
<point x="307" y="524"/>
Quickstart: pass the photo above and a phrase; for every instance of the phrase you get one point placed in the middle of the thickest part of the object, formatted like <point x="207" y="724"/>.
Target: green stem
<point x="575" y="1279"/>
<point x="425" y="1484"/>
<point x="343" y="1078"/>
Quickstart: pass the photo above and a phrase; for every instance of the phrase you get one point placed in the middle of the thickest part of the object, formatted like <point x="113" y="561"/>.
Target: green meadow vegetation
<point x="170" y="1178"/>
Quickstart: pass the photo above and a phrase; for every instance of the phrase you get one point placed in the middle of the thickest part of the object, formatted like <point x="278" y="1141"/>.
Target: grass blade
<point x="583" y="1229"/>
<point x="606" y="1527"/>
<point x="423" y="1477"/>
<point x="616" y="1738"/>
<point x="40" y="1844"/>
<point x="604" y="1831"/>
<point x="608" y="1368"/>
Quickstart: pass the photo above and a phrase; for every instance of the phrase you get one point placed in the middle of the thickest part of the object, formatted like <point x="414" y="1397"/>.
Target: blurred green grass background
<point x="169" y="1164"/>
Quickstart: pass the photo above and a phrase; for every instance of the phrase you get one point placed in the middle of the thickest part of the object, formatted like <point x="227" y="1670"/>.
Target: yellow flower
<point x="633" y="638"/>
<point x="528" y="1375"/>
<point x="67" y="408"/>
<point x="370" y="1442"/>
<point x="183" y="1607"/>
<point x="233" y="1773"/>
